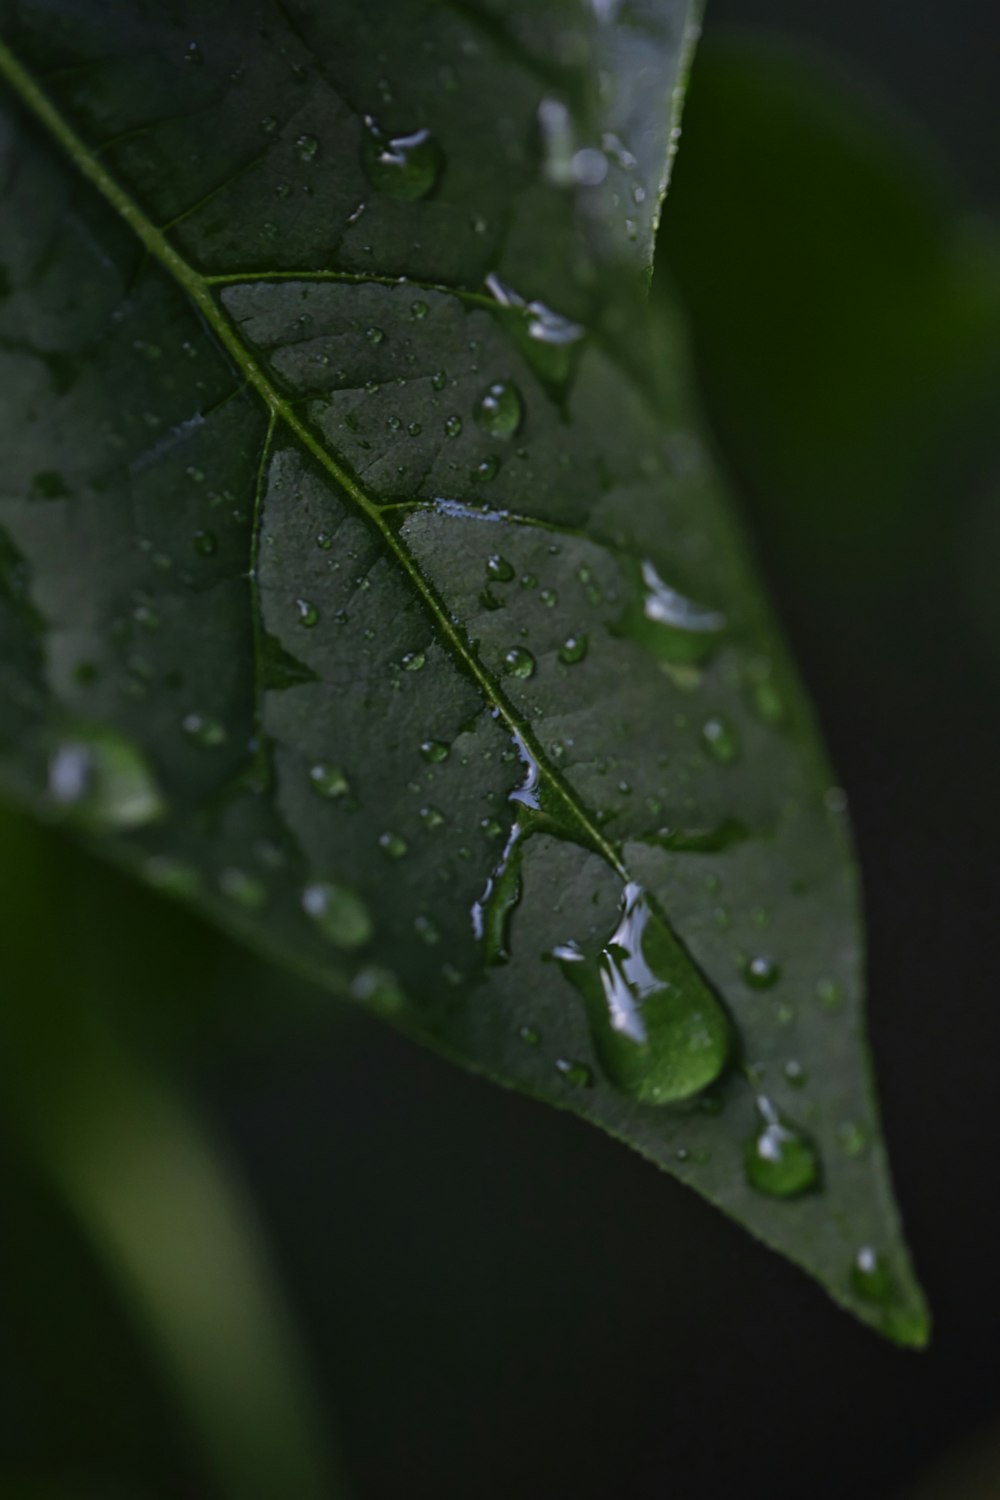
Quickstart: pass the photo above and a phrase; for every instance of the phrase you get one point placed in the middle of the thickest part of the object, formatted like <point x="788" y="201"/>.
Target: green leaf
<point x="401" y="624"/>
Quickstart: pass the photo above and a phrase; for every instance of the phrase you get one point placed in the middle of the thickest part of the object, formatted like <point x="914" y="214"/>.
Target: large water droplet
<point x="870" y="1276"/>
<point x="500" y="409"/>
<point x="100" y="780"/>
<point x="339" y="913"/>
<point x="659" y="1031"/>
<point x="404" y="166"/>
<point x="673" y="627"/>
<point x="779" y="1159"/>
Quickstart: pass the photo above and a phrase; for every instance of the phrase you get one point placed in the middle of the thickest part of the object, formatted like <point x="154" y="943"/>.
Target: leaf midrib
<point x="199" y="289"/>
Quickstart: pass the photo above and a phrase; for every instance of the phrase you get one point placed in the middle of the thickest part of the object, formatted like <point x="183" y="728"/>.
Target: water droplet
<point x="102" y="781"/>
<point x="328" y="781"/>
<point x="171" y="876"/>
<point x="404" y="166"/>
<point x="269" y="124"/>
<point x="308" y="613"/>
<point x="720" y="740"/>
<point x="453" y="426"/>
<point x="392" y="845"/>
<point x="764" y="693"/>
<point x="778" y="1158"/>
<point x="307" y="147"/>
<point x="499" y="569"/>
<point x="558" y="143"/>
<point x="760" y="972"/>
<point x="324" y="541"/>
<point x="573" y="649"/>
<point x="589" y="167"/>
<point x="529" y="1036"/>
<point x="659" y="1032"/>
<point x="576" y="1073"/>
<point x="374" y="335"/>
<point x="194" y="55"/>
<point x="500" y="409"/>
<point x="435" y="751"/>
<point x="431" y="817"/>
<point x="413" y="661"/>
<point x="439" y="380"/>
<point x="519" y="662"/>
<point x="414" y="429"/>
<point x="244" y="889"/>
<point x="795" y="1073"/>
<point x="204" y="730"/>
<point x="205" y="543"/>
<point x="339" y="913"/>
<point x="419" y="309"/>
<point x="870" y="1276"/>
<point x="487" y="469"/>
<point x="671" y="626"/>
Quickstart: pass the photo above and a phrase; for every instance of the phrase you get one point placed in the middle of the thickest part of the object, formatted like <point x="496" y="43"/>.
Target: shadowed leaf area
<point x="367" y="582"/>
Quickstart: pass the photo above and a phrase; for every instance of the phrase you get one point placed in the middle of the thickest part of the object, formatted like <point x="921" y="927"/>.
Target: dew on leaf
<point x="435" y="751"/>
<point x="339" y="913"/>
<point x="404" y="166"/>
<point x="419" y="309"/>
<point x="431" y="817"/>
<point x="486" y="469"/>
<point x="392" y="845"/>
<point x="499" y="569"/>
<point x="721" y="741"/>
<point x="519" y="662"/>
<point x="870" y="1276"/>
<point x="852" y="1138"/>
<point x="205" y="543"/>
<point x="306" y="148"/>
<point x="829" y="994"/>
<point x="308" y="614"/>
<point x="204" y="730"/>
<point x="102" y="781"/>
<point x="500" y="409"/>
<point x="453" y="426"/>
<point x="779" y="1159"/>
<point x="760" y="971"/>
<point x="671" y="626"/>
<point x="427" y="931"/>
<point x="529" y="1036"/>
<point x="328" y="781"/>
<point x="413" y="661"/>
<point x="575" y="1073"/>
<point x="660" y="1034"/>
<point x="373" y="334"/>
<point x="573" y="649"/>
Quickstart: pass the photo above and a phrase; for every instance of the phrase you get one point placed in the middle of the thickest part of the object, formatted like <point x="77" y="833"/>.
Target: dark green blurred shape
<point x="846" y="318"/>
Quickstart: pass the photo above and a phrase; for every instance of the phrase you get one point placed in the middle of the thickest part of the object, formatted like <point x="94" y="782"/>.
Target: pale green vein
<point x="357" y="278"/>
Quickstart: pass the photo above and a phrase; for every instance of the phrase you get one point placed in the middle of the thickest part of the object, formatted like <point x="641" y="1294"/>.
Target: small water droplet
<point x="431" y="817"/>
<point x="499" y="569"/>
<point x="519" y="662"/>
<point x="795" y="1073"/>
<point x="419" y="309"/>
<point x="307" y="147"/>
<point x="487" y="469"/>
<point x="575" y="1073"/>
<point x="204" y="730"/>
<point x="453" y="426"/>
<point x="100" y="780"/>
<point x="404" y="166"/>
<point x="269" y="124"/>
<point x="328" y="781"/>
<point x="392" y="845"/>
<point x="760" y="971"/>
<point x="205" y="543"/>
<point x="339" y="913"/>
<point x="500" y="409"/>
<point x="435" y="751"/>
<point x="307" y="612"/>
<point x="529" y="1036"/>
<point x="573" y="649"/>
<point x="779" y="1159"/>
<point x="720" y="740"/>
<point x="413" y="661"/>
<point x="870" y="1276"/>
<point x="374" y="335"/>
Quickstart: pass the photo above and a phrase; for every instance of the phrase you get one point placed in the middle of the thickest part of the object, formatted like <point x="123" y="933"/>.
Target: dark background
<point x="497" y="1300"/>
